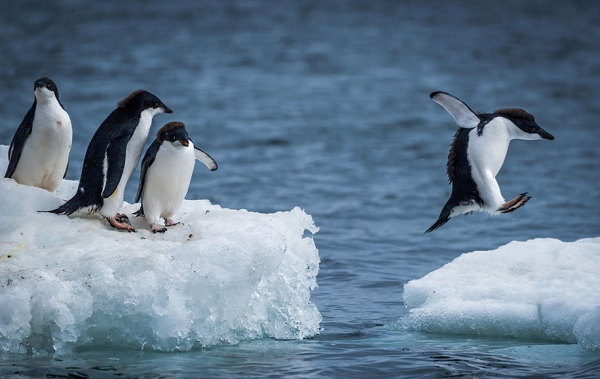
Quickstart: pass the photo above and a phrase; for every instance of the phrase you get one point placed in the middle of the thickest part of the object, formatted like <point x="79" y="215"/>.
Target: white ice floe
<point x="220" y="277"/>
<point x="542" y="289"/>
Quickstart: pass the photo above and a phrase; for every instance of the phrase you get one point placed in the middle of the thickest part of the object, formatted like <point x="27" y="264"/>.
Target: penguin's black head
<point x="526" y="123"/>
<point x="46" y="83"/>
<point x="173" y="132"/>
<point x="143" y="100"/>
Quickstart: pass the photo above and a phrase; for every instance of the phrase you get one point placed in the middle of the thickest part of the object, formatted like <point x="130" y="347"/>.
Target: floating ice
<point x="541" y="289"/>
<point x="220" y="277"/>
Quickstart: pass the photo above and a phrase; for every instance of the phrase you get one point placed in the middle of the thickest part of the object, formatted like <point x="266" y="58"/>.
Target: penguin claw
<point x="121" y="221"/>
<point x="156" y="229"/>
<point x="169" y="222"/>
<point x="514" y="204"/>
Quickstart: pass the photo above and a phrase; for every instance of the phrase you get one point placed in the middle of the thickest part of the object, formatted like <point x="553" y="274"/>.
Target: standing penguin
<point x="477" y="154"/>
<point x="166" y="174"/>
<point x="39" y="152"/>
<point x="111" y="157"/>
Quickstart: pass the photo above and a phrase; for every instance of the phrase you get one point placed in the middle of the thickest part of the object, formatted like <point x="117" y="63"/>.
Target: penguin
<point x="477" y="154"/>
<point x="111" y="157"/>
<point x="166" y="174"/>
<point x="39" y="152"/>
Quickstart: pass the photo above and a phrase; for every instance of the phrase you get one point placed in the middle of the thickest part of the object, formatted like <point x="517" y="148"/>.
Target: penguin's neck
<point x="137" y="142"/>
<point x="48" y="112"/>
<point x="47" y="102"/>
<point x="144" y="125"/>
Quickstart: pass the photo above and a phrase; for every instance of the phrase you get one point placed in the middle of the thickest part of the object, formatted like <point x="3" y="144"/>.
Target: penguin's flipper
<point x="206" y="159"/>
<point x="146" y="163"/>
<point x="18" y="141"/>
<point x="462" y="114"/>
<point x="115" y="157"/>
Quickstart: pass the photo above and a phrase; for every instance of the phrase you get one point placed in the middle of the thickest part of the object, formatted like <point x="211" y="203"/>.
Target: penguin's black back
<point x="460" y="176"/>
<point x="121" y="123"/>
<point x="459" y="170"/>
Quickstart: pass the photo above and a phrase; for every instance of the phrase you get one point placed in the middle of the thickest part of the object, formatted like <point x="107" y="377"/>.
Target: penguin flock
<point x="39" y="152"/>
<point x="39" y="156"/>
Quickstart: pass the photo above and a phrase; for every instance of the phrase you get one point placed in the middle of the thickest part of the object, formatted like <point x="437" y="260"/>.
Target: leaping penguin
<point x="111" y="157"/>
<point x="166" y="174"/>
<point x="477" y="154"/>
<point x="39" y="152"/>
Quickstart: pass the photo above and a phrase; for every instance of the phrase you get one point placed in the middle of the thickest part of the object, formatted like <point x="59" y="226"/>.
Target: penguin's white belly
<point x="45" y="154"/>
<point x="486" y="154"/>
<point x="167" y="181"/>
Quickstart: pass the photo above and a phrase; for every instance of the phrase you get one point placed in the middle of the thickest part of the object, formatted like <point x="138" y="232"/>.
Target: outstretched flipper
<point x="462" y="114"/>
<point x="206" y="159"/>
<point x="514" y="204"/>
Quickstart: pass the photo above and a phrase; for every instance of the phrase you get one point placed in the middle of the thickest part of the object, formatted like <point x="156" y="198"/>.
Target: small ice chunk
<point x="542" y="289"/>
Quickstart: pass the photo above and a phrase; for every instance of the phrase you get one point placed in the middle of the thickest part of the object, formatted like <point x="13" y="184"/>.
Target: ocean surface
<point x="325" y="105"/>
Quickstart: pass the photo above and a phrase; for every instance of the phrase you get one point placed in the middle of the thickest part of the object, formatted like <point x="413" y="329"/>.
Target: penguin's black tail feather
<point x="443" y="218"/>
<point x="441" y="221"/>
<point x="74" y="204"/>
<point x="140" y="212"/>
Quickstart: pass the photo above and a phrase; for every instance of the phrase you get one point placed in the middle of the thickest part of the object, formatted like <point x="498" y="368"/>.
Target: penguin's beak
<point x="168" y="110"/>
<point x="545" y="135"/>
<point x="184" y="142"/>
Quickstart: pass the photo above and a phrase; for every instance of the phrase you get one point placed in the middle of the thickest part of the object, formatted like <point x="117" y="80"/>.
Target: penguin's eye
<point x="532" y="129"/>
<point x="49" y="86"/>
<point x="156" y="104"/>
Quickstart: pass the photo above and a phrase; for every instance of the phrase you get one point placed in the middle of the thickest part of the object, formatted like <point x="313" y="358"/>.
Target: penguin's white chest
<point x="45" y="154"/>
<point x="488" y="151"/>
<point x="486" y="154"/>
<point x="167" y="181"/>
<point x="135" y="146"/>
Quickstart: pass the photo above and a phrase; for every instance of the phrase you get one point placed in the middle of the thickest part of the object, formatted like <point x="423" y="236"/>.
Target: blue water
<point x="325" y="105"/>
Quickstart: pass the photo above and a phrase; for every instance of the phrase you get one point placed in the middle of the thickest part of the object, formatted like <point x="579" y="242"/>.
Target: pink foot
<point x="169" y="222"/>
<point x="121" y="221"/>
<point x="157" y="229"/>
<point x="514" y="204"/>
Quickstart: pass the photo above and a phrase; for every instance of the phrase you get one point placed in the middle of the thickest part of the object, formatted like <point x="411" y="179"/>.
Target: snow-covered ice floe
<point x="542" y="289"/>
<point x="220" y="277"/>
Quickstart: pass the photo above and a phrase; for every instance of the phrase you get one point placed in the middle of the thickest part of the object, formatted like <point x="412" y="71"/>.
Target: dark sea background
<point x="325" y="105"/>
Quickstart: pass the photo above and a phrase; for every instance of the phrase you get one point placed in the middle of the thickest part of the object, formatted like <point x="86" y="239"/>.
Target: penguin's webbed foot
<point x="169" y="222"/>
<point x="121" y="221"/>
<point x="157" y="229"/>
<point x="514" y="204"/>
